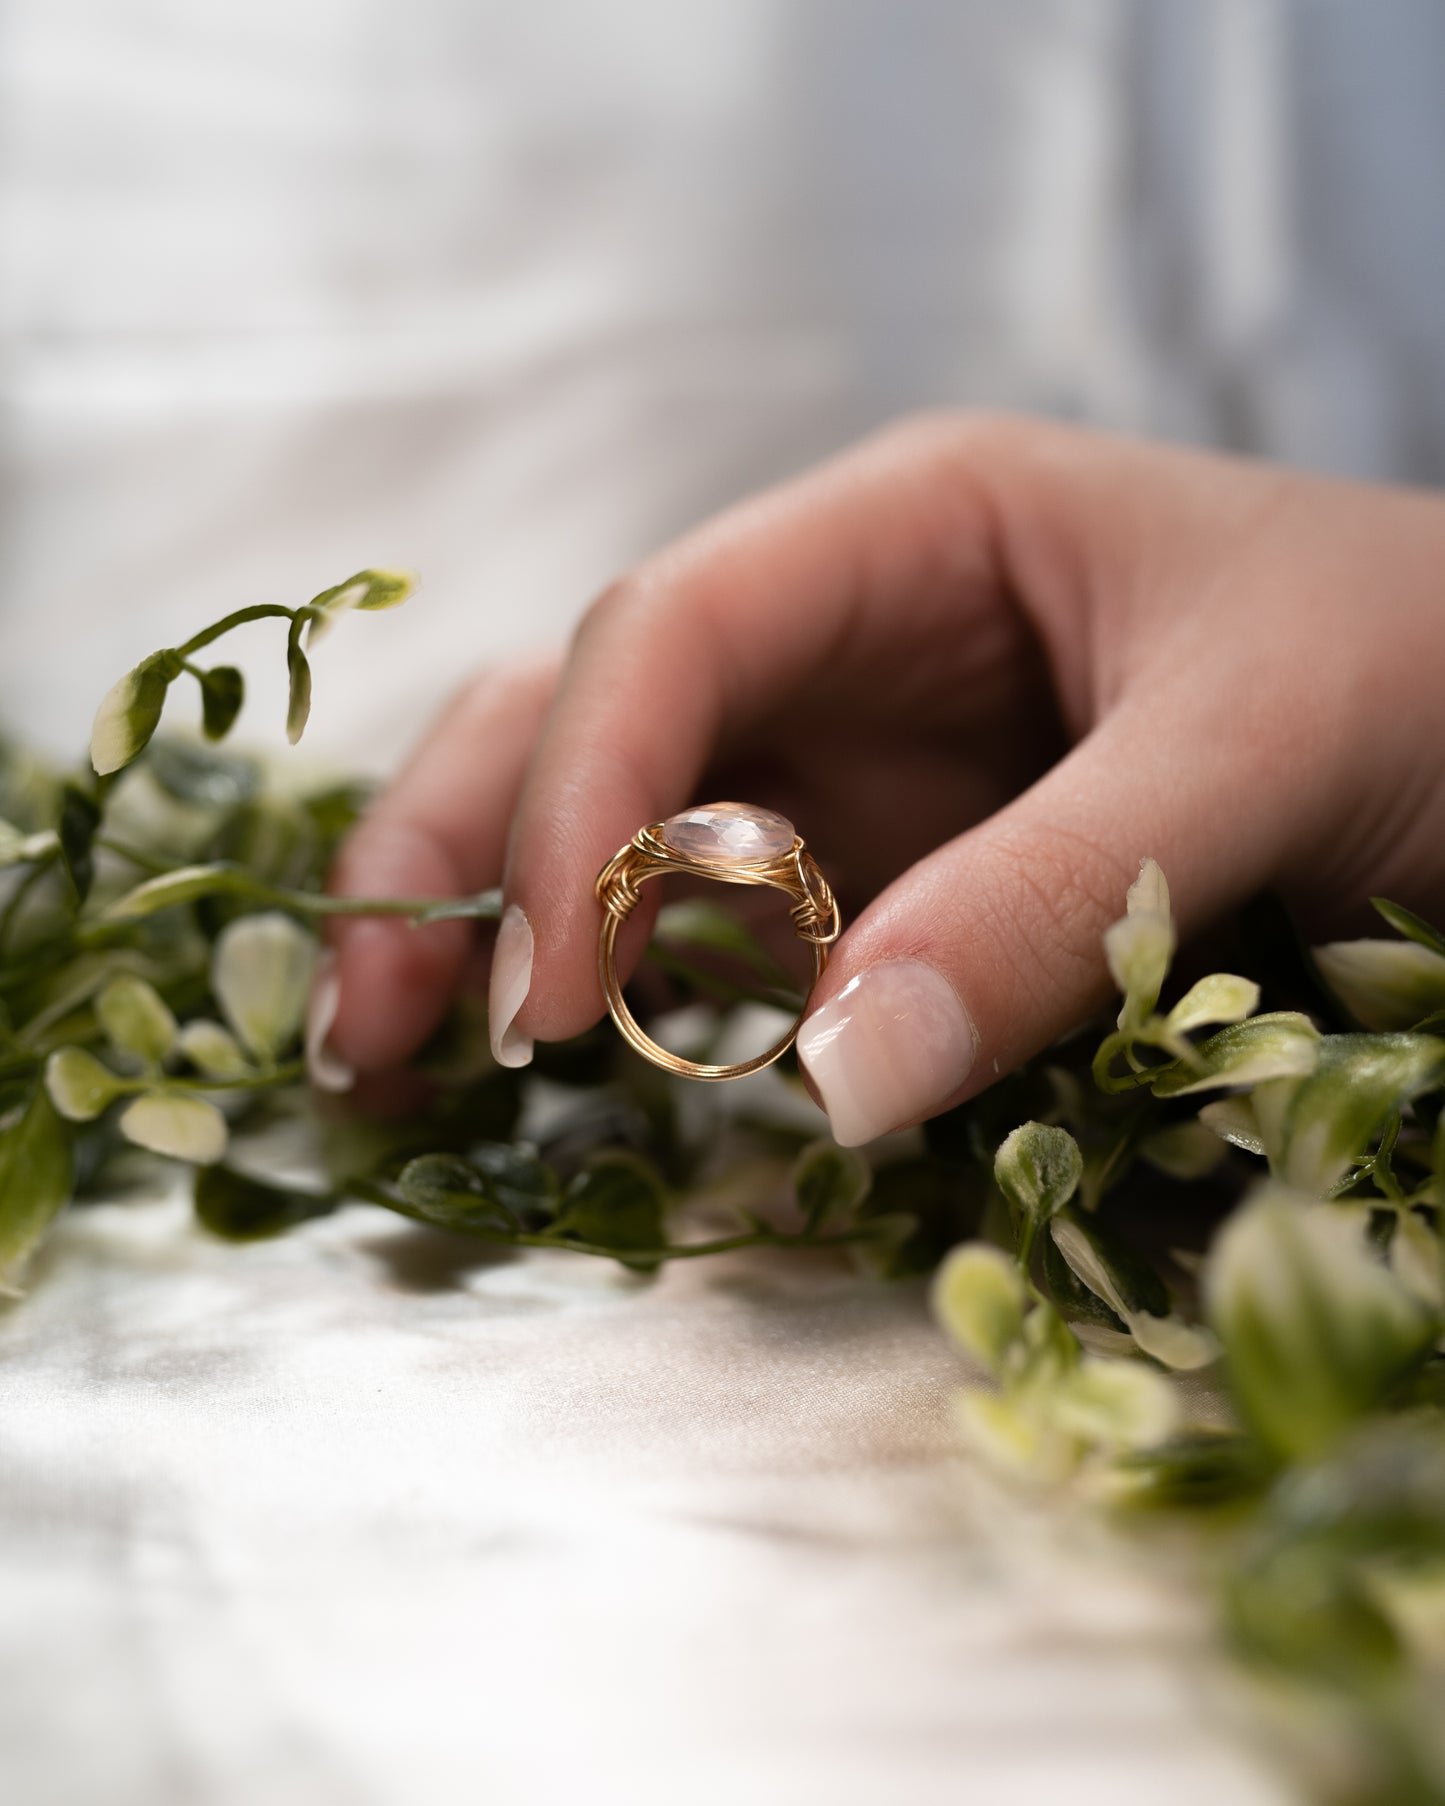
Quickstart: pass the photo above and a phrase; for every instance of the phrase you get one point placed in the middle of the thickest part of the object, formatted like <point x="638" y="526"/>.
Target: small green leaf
<point x="223" y="690"/>
<point x="829" y="1183"/>
<point x="1184" y="1150"/>
<point x="1315" y="1331"/>
<point x="79" y="823"/>
<point x="1360" y="1082"/>
<point x="700" y="926"/>
<point x="1233" y="1120"/>
<point x="448" y="1192"/>
<point x="186" y="884"/>
<point x="213" y="1050"/>
<point x="261" y="971"/>
<point x="130" y="711"/>
<point x="1221" y="997"/>
<point x="1405" y="921"/>
<point x="1140" y="945"/>
<point x="617" y="1202"/>
<point x="1109" y="1267"/>
<point x="1115" y="1405"/>
<point x="199" y="774"/>
<point x="1384" y="984"/>
<point x="26" y="849"/>
<point x="518" y="1177"/>
<point x="35" y="1182"/>
<point x="1283" y="1044"/>
<point x="80" y="1086"/>
<point x="298" y="702"/>
<point x="978" y="1297"/>
<point x="184" y="1127"/>
<point x="135" y="1018"/>
<point x="243" y="1209"/>
<point x="1038" y="1169"/>
<point x="376" y="588"/>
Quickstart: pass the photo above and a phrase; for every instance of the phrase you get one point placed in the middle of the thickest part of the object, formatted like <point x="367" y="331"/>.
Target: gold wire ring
<point x="713" y="840"/>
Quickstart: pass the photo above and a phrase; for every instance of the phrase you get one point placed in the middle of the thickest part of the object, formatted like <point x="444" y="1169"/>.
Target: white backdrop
<point x="511" y="293"/>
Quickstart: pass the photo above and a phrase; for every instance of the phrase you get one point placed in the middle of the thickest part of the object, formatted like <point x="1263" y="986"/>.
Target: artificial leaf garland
<point x="158" y="936"/>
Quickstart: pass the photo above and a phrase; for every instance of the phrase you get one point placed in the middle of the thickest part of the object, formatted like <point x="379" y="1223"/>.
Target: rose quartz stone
<point x="729" y="834"/>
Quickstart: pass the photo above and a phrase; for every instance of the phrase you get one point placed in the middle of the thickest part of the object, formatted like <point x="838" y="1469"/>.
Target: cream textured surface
<point x="359" y="1518"/>
<point x="511" y="292"/>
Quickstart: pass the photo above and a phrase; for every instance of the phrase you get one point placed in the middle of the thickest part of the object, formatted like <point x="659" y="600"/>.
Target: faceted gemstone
<point x="728" y="834"/>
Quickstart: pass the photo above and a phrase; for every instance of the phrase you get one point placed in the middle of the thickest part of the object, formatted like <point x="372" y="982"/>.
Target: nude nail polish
<point x="324" y="1067"/>
<point x="893" y="1042"/>
<point x="511" y="980"/>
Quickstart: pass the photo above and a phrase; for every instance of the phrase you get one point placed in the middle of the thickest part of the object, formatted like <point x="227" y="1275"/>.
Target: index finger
<point x="722" y="630"/>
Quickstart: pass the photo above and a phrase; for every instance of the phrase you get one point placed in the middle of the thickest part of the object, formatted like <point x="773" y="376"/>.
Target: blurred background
<point x="511" y="293"/>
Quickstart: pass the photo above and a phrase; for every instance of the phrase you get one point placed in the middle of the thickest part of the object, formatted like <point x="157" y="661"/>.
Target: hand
<point x="986" y="666"/>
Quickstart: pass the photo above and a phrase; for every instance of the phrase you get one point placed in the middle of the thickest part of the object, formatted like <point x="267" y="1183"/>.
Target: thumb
<point x="992" y="947"/>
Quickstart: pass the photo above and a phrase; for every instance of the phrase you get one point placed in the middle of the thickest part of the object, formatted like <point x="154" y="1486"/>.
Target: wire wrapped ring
<point x="731" y="843"/>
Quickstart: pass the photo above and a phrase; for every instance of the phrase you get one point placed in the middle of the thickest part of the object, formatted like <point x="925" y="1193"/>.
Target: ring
<point x="732" y="843"/>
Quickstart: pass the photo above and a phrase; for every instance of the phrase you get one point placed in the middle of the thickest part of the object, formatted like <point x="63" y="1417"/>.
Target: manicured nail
<point x="511" y="980"/>
<point x="324" y="1067"/>
<point x="894" y="1041"/>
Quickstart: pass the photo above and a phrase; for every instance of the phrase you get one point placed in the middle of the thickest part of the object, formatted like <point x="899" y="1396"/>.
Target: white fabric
<point x="511" y="293"/>
<point x="359" y="1517"/>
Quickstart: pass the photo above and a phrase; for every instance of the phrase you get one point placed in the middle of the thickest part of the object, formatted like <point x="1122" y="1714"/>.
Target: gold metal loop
<point x="648" y="855"/>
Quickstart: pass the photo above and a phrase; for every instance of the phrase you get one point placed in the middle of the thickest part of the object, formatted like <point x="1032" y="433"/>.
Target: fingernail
<point x="324" y="1067"/>
<point x="894" y="1041"/>
<point x="511" y="980"/>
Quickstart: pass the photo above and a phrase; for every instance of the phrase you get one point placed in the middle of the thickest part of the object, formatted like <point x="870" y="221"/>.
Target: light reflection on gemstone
<point x="729" y="834"/>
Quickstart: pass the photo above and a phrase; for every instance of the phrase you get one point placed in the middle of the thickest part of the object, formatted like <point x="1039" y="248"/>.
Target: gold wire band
<point x="647" y="855"/>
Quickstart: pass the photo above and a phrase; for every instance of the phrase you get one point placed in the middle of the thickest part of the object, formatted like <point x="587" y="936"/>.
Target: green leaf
<point x="1114" y="1405"/>
<point x="829" y="1182"/>
<point x="261" y="971"/>
<point x="186" y="884"/>
<point x="1360" y="1082"/>
<point x="376" y="588"/>
<point x="519" y="1178"/>
<point x="1384" y="984"/>
<point x="223" y="690"/>
<point x="243" y="1209"/>
<point x="1221" y="997"/>
<point x="26" y="849"/>
<point x="1405" y="921"/>
<point x="1316" y="1332"/>
<point x="79" y="823"/>
<point x="179" y="1125"/>
<point x="1233" y="1120"/>
<point x="135" y="1018"/>
<point x="1109" y="1267"/>
<point x="617" y="1202"/>
<point x="200" y="775"/>
<point x="457" y="1194"/>
<point x="1140" y="945"/>
<point x="298" y="702"/>
<point x="1183" y="1150"/>
<point x="1038" y="1169"/>
<point x="79" y="1085"/>
<point x="213" y="1050"/>
<point x="1282" y="1044"/>
<point x="35" y="1182"/>
<point x="978" y="1297"/>
<point x="130" y="711"/>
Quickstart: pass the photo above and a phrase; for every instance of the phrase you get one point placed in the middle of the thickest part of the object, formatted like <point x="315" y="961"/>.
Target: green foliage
<point x="1217" y="1186"/>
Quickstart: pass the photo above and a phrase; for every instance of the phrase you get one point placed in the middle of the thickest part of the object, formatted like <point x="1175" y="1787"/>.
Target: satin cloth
<point x="512" y="293"/>
<point x="358" y="1517"/>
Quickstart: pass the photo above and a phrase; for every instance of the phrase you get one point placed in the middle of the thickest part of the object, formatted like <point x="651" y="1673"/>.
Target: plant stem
<point x="258" y="611"/>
